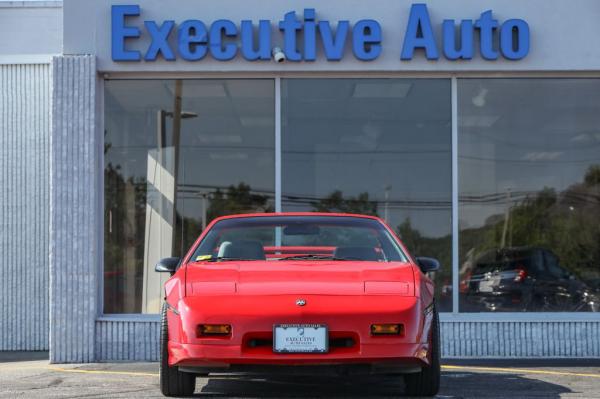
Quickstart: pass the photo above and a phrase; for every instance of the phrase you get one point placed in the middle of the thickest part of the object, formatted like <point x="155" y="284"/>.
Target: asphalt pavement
<point x="33" y="377"/>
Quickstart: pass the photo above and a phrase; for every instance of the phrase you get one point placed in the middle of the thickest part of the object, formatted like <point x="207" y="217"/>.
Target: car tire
<point x="427" y="382"/>
<point x="172" y="381"/>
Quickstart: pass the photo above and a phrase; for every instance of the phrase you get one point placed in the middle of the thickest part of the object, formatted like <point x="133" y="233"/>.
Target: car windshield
<point x="277" y="238"/>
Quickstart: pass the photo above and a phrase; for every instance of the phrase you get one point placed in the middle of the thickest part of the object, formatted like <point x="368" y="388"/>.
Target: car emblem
<point x="300" y="302"/>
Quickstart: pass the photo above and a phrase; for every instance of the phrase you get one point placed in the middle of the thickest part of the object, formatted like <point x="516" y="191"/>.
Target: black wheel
<point x="427" y="382"/>
<point x="172" y="381"/>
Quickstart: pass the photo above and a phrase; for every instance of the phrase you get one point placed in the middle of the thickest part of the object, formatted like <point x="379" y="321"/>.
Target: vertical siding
<point x="24" y="158"/>
<point x="74" y="220"/>
<point x="518" y="339"/>
<point x="119" y="340"/>
<point x="127" y="340"/>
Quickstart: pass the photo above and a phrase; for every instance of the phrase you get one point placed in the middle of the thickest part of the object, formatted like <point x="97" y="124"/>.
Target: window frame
<point x="454" y="315"/>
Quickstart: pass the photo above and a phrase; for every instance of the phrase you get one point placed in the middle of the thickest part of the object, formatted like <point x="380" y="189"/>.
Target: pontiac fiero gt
<point x="302" y="292"/>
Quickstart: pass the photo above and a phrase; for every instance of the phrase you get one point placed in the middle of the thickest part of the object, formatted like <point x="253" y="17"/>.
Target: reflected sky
<point x="390" y="138"/>
<point x="228" y="137"/>
<point x="518" y="136"/>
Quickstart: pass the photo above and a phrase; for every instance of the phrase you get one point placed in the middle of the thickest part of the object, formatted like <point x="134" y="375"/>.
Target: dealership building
<point x="471" y="127"/>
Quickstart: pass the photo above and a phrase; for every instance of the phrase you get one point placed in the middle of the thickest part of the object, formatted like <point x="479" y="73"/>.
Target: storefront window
<point x="206" y="146"/>
<point x="529" y="189"/>
<point x="378" y="147"/>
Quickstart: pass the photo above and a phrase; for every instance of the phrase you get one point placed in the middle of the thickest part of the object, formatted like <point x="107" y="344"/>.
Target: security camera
<point x="278" y="55"/>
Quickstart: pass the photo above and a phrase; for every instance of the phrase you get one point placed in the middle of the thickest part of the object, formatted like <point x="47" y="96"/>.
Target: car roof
<point x="296" y="214"/>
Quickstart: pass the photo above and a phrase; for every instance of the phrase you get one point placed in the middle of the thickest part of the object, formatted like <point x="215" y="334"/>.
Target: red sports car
<point x="309" y="292"/>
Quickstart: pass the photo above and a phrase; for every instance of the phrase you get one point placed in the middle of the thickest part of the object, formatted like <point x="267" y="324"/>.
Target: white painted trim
<point x="100" y="187"/>
<point x="13" y="59"/>
<point x="277" y="144"/>
<point x="455" y="268"/>
<point x="508" y="317"/>
<point x="348" y="75"/>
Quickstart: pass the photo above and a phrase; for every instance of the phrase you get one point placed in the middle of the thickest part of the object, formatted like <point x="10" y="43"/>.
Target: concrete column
<point x="75" y="217"/>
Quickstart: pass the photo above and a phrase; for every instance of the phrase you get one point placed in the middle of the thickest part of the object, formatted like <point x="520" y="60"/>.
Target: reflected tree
<point x="439" y="248"/>
<point x="124" y="227"/>
<point x="237" y="199"/>
<point x="335" y="202"/>
<point x="234" y="200"/>
<point x="566" y="223"/>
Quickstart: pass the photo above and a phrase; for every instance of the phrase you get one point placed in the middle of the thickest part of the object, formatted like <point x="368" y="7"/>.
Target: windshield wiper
<point x="308" y="257"/>
<point x="314" y="257"/>
<point x="224" y="258"/>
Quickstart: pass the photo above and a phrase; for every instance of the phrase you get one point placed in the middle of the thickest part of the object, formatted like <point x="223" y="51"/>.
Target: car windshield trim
<point x="300" y="237"/>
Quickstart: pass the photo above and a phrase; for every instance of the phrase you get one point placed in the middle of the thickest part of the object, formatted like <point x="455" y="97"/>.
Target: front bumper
<point x="348" y="319"/>
<point x="223" y="356"/>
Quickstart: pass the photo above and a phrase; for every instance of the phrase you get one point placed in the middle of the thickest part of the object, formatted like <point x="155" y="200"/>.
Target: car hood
<point x="299" y="277"/>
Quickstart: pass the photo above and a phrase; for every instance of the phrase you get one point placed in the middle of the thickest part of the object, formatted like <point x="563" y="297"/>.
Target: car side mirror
<point x="167" y="265"/>
<point x="428" y="264"/>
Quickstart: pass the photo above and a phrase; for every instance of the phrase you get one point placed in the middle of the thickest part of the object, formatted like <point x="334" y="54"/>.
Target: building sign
<point x="223" y="40"/>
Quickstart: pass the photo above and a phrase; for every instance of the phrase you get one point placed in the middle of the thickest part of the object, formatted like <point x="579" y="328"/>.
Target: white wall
<point x="562" y="32"/>
<point x="30" y="27"/>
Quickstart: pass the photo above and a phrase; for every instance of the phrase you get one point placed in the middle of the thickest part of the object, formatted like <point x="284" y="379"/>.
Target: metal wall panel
<point x="127" y="340"/>
<point x="138" y="340"/>
<point x="24" y="158"/>
<point x="74" y="219"/>
<point x="518" y="339"/>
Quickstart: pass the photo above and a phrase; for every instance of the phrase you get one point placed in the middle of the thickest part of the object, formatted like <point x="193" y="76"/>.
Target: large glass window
<point x="529" y="177"/>
<point x="177" y="154"/>
<point x="373" y="146"/>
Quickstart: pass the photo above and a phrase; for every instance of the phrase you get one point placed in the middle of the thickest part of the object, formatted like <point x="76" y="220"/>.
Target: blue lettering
<point x="507" y="46"/>
<point x="218" y="29"/>
<point x="289" y="26"/>
<point x="120" y="32"/>
<point x="487" y="25"/>
<point x="160" y="37"/>
<point x="419" y="34"/>
<point x="334" y="46"/>
<point x="264" y="40"/>
<point x="310" y="35"/>
<point x="366" y="40"/>
<point x="465" y="49"/>
<point x="192" y="39"/>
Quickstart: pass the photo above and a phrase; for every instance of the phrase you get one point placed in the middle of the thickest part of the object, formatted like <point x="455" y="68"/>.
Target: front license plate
<point x="300" y="338"/>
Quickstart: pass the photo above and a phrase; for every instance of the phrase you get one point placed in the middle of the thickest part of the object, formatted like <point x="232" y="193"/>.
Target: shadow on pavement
<point x="454" y="385"/>
<point x="18" y="356"/>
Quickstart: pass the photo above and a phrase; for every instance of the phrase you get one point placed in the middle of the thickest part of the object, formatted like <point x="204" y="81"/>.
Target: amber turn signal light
<point x="213" y="329"/>
<point x="387" y="329"/>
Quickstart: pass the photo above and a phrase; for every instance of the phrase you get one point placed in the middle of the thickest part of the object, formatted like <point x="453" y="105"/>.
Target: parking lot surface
<point x="484" y="379"/>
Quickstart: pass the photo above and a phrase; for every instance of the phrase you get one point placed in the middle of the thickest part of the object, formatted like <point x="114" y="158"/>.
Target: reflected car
<point x="524" y="279"/>
<point x="302" y="293"/>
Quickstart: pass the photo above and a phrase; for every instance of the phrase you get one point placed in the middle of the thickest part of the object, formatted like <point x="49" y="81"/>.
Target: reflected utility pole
<point x="386" y="196"/>
<point x="506" y="219"/>
<point x="204" y="211"/>
<point x="176" y="142"/>
<point x="177" y="114"/>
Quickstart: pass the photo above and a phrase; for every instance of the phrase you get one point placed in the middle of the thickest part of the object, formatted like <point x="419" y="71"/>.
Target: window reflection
<point x="529" y="177"/>
<point x="205" y="146"/>
<point x="377" y="147"/>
